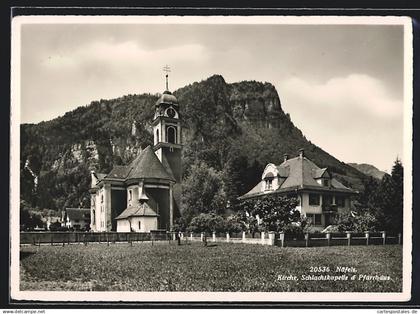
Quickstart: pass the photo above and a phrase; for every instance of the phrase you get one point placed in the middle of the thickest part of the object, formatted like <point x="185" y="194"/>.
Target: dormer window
<point x="268" y="184"/>
<point x="325" y="182"/>
<point x="268" y="179"/>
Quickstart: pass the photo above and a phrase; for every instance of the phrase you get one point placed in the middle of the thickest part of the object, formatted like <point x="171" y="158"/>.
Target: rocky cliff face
<point x="219" y="120"/>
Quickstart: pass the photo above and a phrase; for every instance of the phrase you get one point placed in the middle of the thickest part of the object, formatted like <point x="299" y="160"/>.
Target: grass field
<point x="218" y="267"/>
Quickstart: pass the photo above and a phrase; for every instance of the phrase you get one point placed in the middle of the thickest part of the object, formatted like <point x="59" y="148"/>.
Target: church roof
<point x="118" y="172"/>
<point x="167" y="98"/>
<point x="147" y="166"/>
<point x="300" y="173"/>
<point x="140" y="210"/>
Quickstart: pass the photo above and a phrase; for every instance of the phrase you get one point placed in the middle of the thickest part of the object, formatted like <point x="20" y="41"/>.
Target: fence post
<point x="282" y="238"/>
<point x="271" y="238"/>
<point x="227" y="237"/>
<point x="214" y="236"/>
<point x="348" y="238"/>
<point x="243" y="236"/>
<point x="367" y="237"/>
<point x="328" y="235"/>
<point x="384" y="237"/>
<point x="306" y="239"/>
<point x="191" y="236"/>
<point x="262" y="237"/>
<point x="399" y="238"/>
<point x="202" y="236"/>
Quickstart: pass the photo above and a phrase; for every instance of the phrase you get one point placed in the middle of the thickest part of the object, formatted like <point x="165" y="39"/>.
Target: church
<point x="144" y="195"/>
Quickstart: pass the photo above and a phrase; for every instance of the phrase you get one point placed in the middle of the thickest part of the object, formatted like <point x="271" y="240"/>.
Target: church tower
<point x="167" y="137"/>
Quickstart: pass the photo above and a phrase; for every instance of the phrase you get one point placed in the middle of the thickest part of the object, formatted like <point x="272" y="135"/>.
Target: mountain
<point x="235" y="129"/>
<point x="369" y="170"/>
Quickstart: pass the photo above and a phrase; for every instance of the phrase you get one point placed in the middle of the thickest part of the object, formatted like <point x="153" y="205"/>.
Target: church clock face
<point x="170" y="112"/>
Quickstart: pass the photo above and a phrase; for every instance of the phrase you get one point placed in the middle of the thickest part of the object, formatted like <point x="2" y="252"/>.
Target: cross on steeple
<point x="166" y="69"/>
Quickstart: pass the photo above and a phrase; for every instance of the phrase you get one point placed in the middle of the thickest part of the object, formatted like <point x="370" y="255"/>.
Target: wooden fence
<point x="303" y="240"/>
<point x="264" y="238"/>
<point x="38" y="238"/>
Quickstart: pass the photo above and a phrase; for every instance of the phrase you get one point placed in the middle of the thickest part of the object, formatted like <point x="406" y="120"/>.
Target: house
<point x="145" y="194"/>
<point x="321" y="197"/>
<point x="76" y="218"/>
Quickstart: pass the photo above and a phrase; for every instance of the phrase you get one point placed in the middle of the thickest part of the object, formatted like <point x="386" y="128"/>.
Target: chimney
<point x="93" y="178"/>
<point x="285" y="157"/>
<point x="301" y="153"/>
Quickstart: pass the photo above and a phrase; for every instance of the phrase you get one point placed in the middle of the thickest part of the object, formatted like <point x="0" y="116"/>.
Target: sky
<point x="341" y="84"/>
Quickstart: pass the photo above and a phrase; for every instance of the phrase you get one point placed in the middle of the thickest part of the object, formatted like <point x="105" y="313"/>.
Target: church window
<point x="139" y="225"/>
<point x="314" y="199"/>
<point x="171" y="134"/>
<point x="130" y="195"/>
<point x="102" y="198"/>
<point x="157" y="135"/>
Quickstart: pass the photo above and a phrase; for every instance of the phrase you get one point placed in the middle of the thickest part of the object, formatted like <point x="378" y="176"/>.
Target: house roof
<point x="319" y="173"/>
<point x="300" y="173"/>
<point x="140" y="210"/>
<point x="78" y="213"/>
<point x="100" y="176"/>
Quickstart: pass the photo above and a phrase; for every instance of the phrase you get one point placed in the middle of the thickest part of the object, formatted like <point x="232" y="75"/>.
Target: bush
<point x="207" y="223"/>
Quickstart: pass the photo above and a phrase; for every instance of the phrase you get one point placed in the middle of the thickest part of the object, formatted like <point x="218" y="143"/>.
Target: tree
<point x="234" y="224"/>
<point x="360" y="221"/>
<point x="389" y="200"/>
<point x="207" y="223"/>
<point x="203" y="191"/>
<point x="275" y="211"/>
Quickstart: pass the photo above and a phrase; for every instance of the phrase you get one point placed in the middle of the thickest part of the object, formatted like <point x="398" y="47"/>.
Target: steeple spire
<point x="167" y="69"/>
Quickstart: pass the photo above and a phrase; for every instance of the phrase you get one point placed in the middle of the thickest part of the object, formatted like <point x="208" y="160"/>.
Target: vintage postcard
<point x="218" y="158"/>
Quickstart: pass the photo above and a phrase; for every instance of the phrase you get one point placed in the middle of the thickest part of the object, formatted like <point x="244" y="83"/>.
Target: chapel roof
<point x="140" y="210"/>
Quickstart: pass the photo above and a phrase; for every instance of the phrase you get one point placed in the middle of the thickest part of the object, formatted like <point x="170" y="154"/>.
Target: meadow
<point x="218" y="267"/>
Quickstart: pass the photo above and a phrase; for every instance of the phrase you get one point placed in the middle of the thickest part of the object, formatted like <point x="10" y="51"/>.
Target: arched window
<point x="171" y="134"/>
<point x="157" y="136"/>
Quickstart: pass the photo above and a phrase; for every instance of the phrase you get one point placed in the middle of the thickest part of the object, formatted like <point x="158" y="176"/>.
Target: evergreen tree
<point x="389" y="200"/>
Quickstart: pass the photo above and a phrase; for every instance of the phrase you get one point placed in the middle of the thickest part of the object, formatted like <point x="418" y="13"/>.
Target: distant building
<point x="76" y="218"/>
<point x="321" y="197"/>
<point x="144" y="195"/>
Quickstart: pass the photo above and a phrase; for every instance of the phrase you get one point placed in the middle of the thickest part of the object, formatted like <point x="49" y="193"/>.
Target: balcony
<point x="329" y="208"/>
